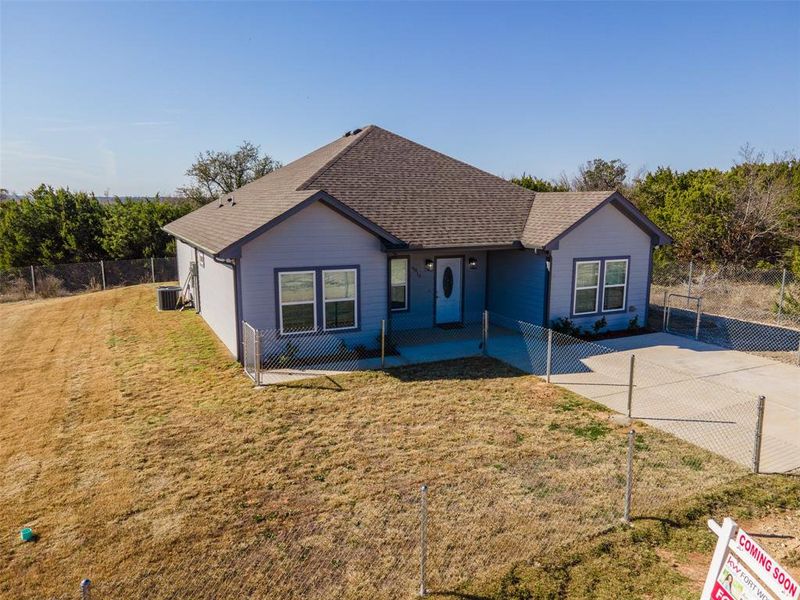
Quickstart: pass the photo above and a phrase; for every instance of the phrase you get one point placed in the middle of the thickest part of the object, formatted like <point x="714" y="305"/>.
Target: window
<point x="398" y="268"/>
<point x="340" y="297"/>
<point x="297" y="293"/>
<point x="587" y="279"/>
<point x="615" y="279"/>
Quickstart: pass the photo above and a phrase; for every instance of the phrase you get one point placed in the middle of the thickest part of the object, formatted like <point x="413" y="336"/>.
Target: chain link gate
<point x="682" y="321"/>
<point x="251" y="352"/>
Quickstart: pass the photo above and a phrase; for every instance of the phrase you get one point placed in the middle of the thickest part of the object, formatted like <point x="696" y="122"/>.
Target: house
<point x="375" y="227"/>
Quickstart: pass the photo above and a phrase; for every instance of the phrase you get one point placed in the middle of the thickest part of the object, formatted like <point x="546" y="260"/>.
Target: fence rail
<point x="46" y="281"/>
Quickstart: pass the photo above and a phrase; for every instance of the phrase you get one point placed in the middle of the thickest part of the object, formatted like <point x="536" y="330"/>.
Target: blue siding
<point x="315" y="237"/>
<point x="607" y="233"/>
<point x="517" y="280"/>
<point x="421" y="290"/>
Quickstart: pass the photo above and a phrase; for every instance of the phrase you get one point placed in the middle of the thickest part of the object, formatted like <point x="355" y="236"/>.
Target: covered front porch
<point x="396" y="349"/>
<point x="436" y="308"/>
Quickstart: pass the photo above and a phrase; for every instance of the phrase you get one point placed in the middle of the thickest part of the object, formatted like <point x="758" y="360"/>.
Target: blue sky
<point x="122" y="96"/>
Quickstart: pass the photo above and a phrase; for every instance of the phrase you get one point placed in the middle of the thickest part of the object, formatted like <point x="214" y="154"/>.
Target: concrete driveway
<point x="702" y="393"/>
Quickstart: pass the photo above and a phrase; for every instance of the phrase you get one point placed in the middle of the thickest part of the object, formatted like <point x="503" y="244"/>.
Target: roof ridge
<point x="466" y="164"/>
<point x="337" y="157"/>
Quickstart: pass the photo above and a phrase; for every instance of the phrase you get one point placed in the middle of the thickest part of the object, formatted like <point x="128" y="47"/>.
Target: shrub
<point x="633" y="323"/>
<point x="18" y="288"/>
<point x="565" y="326"/>
<point x="599" y="325"/>
<point x="50" y="287"/>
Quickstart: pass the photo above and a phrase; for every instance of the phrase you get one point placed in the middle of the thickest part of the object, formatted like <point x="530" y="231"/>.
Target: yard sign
<point x="741" y="569"/>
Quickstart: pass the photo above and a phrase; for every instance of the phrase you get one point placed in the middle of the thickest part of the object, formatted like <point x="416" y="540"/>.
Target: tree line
<point x="53" y="226"/>
<point x="748" y="214"/>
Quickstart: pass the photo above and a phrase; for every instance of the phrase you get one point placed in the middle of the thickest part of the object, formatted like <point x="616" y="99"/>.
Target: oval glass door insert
<point x="447" y="282"/>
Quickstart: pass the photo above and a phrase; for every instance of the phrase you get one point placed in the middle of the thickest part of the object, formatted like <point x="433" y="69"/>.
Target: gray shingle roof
<point x="418" y="195"/>
<point x="257" y="203"/>
<point x="555" y="212"/>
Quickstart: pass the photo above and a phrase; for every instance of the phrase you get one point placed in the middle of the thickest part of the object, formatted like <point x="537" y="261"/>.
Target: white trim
<point x="404" y="284"/>
<point x="281" y="303"/>
<point x="354" y="300"/>
<point x="575" y="288"/>
<point x="623" y="285"/>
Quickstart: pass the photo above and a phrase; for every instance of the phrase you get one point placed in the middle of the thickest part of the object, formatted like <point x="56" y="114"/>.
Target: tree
<point x="540" y="185"/>
<point x="215" y="173"/>
<point x="132" y="228"/>
<point x="49" y="227"/>
<point x="765" y="208"/>
<point x="600" y="174"/>
<point x="746" y="215"/>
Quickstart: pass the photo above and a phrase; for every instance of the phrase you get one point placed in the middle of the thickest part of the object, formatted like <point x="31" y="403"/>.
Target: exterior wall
<point x="217" y="300"/>
<point x="185" y="255"/>
<point x="607" y="233"/>
<point x="421" y="289"/>
<point x="517" y="285"/>
<point x="315" y="237"/>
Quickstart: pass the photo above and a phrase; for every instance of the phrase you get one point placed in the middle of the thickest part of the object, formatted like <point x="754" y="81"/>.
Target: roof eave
<point x="186" y="240"/>
<point x="657" y="236"/>
<point x="234" y="249"/>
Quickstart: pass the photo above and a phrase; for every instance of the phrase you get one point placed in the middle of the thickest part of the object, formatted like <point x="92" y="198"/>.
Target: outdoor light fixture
<point x="473" y="262"/>
<point x="428" y="264"/>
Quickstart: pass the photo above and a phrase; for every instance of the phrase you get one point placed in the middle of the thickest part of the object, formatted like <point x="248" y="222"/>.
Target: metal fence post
<point x="630" y="385"/>
<point x="86" y="585"/>
<point x="697" y="320"/>
<point x="103" y="273"/>
<point x="664" y="312"/>
<point x="423" y="542"/>
<point x="629" y="478"/>
<point x="257" y="352"/>
<point x="549" y="354"/>
<point x="153" y="268"/>
<point x="33" y="280"/>
<point x="759" y="435"/>
<point x="780" y="298"/>
<point x="689" y="281"/>
<point x="485" y="332"/>
<point x="383" y="342"/>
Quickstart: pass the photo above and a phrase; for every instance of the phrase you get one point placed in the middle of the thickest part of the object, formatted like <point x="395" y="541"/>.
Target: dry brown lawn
<point x="144" y="460"/>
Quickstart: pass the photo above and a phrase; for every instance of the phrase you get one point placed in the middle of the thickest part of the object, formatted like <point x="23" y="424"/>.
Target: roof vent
<point x="220" y="203"/>
<point x="355" y="131"/>
<point x="346" y="134"/>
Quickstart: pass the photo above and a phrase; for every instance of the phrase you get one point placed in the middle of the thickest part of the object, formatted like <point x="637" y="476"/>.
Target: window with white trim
<point x="398" y="272"/>
<point x="297" y="296"/>
<point x="340" y="298"/>
<point x="615" y="280"/>
<point x="587" y="285"/>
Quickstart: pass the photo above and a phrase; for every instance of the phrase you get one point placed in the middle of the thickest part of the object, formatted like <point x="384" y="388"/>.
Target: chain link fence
<point x="48" y="281"/>
<point x="461" y="534"/>
<point x="445" y="537"/>
<point x="703" y="412"/>
<point x="750" y="310"/>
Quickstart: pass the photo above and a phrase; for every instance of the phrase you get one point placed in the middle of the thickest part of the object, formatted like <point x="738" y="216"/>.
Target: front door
<point x="448" y="290"/>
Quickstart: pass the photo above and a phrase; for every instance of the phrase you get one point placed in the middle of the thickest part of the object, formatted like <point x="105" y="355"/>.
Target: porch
<point x="400" y="348"/>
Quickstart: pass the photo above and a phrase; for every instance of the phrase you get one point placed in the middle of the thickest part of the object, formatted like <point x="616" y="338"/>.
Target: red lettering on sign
<point x="720" y="593"/>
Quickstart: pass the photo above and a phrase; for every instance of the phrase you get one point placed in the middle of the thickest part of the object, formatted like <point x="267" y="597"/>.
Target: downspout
<point x="548" y="271"/>
<point x="197" y="280"/>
